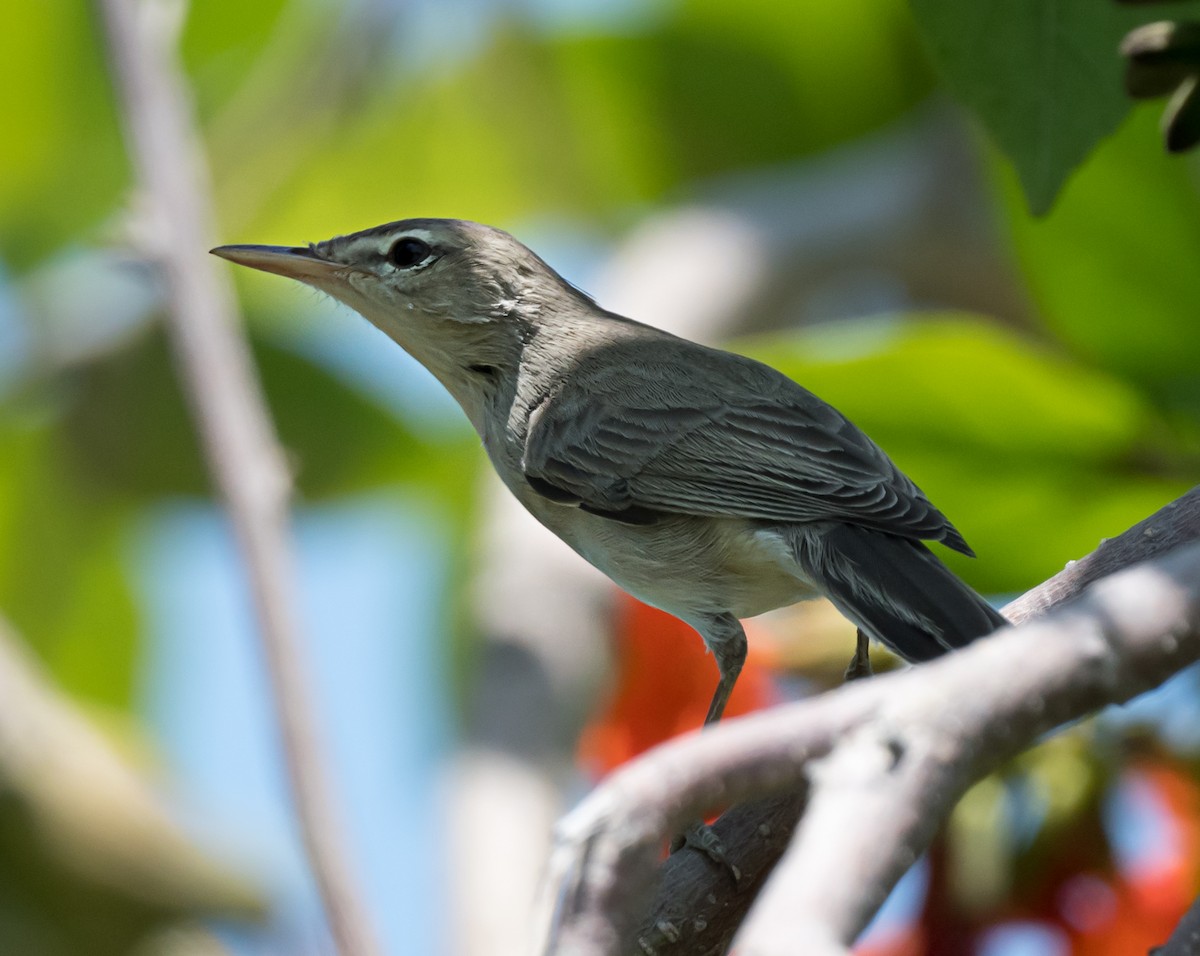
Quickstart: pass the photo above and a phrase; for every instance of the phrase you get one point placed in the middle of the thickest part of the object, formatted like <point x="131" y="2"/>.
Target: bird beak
<point x="296" y="262"/>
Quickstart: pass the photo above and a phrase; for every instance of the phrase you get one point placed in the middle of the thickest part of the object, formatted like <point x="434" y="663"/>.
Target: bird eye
<point x="407" y="252"/>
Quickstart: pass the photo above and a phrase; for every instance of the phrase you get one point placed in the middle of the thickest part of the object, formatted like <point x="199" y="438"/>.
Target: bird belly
<point x="690" y="567"/>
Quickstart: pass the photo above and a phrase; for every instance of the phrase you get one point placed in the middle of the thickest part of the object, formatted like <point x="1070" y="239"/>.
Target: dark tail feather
<point x="895" y="589"/>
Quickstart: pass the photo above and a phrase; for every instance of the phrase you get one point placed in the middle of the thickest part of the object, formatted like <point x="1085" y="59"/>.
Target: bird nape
<point x="702" y="482"/>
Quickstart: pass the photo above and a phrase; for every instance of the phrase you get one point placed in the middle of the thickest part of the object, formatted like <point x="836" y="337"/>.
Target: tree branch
<point x="1173" y="525"/>
<point x="226" y="401"/>
<point x="1185" y="941"/>
<point x="884" y="761"/>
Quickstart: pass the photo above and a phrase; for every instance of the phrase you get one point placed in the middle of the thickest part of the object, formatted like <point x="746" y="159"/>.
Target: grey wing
<point x="728" y="438"/>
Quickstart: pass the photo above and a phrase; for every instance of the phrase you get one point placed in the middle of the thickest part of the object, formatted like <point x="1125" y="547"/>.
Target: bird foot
<point x="860" y="664"/>
<point x="663" y="933"/>
<point x="704" y="839"/>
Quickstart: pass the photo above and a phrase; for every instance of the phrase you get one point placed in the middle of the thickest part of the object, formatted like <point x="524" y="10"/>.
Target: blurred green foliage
<point x="316" y="124"/>
<point x="90" y="862"/>
<point x="1109" y="268"/>
<point x="572" y="123"/>
<point x="1007" y="435"/>
<point x="61" y="579"/>
<point x="320" y="119"/>
<point x="1006" y="430"/>
<point x="62" y="168"/>
<point x="1042" y="75"/>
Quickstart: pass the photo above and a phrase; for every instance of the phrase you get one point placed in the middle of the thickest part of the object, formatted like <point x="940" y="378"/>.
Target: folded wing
<point x="688" y="430"/>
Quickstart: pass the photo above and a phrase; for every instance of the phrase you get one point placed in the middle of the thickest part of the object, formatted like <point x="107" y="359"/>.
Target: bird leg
<point x="860" y="664"/>
<point x="727" y="641"/>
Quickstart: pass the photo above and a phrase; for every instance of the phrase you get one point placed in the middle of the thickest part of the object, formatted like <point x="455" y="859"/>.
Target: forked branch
<point x="880" y="763"/>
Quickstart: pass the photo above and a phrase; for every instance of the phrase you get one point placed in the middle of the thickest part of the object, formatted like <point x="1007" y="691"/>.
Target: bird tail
<point x="895" y="589"/>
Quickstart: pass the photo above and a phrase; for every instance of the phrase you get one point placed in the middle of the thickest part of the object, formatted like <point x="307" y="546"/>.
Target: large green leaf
<point x="954" y="379"/>
<point x="1114" y="267"/>
<point x="1043" y="76"/>
<point x="1032" y="455"/>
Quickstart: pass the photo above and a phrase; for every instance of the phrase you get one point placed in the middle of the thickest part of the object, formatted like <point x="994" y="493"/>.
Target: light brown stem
<point x="222" y="388"/>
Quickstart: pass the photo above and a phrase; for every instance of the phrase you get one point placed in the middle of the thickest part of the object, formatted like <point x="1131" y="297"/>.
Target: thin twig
<point x="226" y="400"/>
<point x="1174" y="524"/>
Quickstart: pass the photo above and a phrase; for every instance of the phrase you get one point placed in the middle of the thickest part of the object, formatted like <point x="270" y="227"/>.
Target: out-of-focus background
<point x="793" y="179"/>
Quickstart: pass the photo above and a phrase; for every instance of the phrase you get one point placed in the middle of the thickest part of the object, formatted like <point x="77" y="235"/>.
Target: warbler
<point x="701" y="481"/>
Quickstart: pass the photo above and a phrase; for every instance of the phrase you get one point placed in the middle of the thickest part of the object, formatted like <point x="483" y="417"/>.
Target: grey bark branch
<point x="688" y="882"/>
<point x="1185" y="941"/>
<point x="884" y="761"/>
<point x="226" y="401"/>
<point x="1125" y="635"/>
<point x="1172" y="525"/>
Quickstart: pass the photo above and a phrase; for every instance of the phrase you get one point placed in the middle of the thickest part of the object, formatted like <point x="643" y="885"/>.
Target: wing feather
<point x="672" y="427"/>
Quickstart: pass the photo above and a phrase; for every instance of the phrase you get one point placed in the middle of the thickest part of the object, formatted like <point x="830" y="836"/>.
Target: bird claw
<point x="704" y="839"/>
<point x="663" y="932"/>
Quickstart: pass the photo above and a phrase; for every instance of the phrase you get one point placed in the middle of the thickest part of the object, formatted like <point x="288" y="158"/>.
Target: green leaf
<point x="129" y="432"/>
<point x="1043" y="76"/>
<point x="960" y="381"/>
<point x="62" y="579"/>
<point x="133" y="438"/>
<point x="62" y="165"/>
<point x="225" y="41"/>
<point x="63" y="168"/>
<point x="1028" y="452"/>
<point x="1114" y="267"/>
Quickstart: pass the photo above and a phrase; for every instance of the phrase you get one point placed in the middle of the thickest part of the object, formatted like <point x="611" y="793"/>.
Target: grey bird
<point x="702" y="482"/>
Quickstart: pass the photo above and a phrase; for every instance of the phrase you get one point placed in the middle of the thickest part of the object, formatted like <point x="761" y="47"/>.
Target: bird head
<point x="460" y="297"/>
